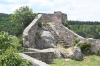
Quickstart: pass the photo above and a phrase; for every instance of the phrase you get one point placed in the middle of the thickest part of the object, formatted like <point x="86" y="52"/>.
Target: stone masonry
<point x="67" y="35"/>
<point x="47" y="57"/>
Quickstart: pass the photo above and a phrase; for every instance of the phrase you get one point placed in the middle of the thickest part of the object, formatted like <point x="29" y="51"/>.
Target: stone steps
<point x="59" y="40"/>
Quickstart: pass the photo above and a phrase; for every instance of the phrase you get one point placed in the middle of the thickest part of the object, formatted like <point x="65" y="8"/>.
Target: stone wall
<point x="69" y="36"/>
<point x="34" y="61"/>
<point x="64" y="17"/>
<point x="29" y="32"/>
<point x="47" y="17"/>
<point x="95" y="48"/>
<point x="58" y="18"/>
<point x="47" y="57"/>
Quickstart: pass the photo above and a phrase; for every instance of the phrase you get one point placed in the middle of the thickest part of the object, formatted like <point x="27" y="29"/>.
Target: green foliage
<point x="41" y="24"/>
<point x="89" y="36"/>
<point x="23" y="15"/>
<point x="9" y="46"/>
<point x="9" y="58"/>
<point x="75" y="42"/>
<point x="15" y="23"/>
<point x="85" y="47"/>
<point x="4" y="17"/>
<point x="7" y="41"/>
<point x="72" y="22"/>
<point x="66" y="23"/>
<point x="86" y="29"/>
<point x="38" y="35"/>
<point x="6" y="25"/>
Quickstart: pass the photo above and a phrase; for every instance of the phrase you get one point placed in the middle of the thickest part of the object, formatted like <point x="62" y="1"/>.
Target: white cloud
<point x="76" y="9"/>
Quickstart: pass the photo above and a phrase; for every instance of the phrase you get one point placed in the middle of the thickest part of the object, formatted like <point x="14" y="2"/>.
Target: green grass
<point x="91" y="60"/>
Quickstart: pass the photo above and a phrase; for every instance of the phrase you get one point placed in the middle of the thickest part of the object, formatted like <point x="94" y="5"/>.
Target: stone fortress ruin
<point x="52" y="32"/>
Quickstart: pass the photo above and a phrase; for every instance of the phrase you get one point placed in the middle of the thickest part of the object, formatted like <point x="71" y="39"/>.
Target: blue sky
<point x="85" y="10"/>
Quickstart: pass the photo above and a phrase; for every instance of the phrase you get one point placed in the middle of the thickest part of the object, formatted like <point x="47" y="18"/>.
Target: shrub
<point x="40" y="24"/>
<point x="9" y="58"/>
<point x="75" y="42"/>
<point x="89" y="36"/>
<point x="85" y="47"/>
<point x="65" y="23"/>
<point x="7" y="41"/>
<point x="38" y="35"/>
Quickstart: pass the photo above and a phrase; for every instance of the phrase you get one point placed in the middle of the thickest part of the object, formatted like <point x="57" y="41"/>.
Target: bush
<point x="65" y="23"/>
<point x="9" y="46"/>
<point x="7" y="41"/>
<point x="75" y="42"/>
<point x="85" y="47"/>
<point x="9" y="58"/>
<point x="40" y="24"/>
<point x="89" y="36"/>
<point x="38" y="35"/>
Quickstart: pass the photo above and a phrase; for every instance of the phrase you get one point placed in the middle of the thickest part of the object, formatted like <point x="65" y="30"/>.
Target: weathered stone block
<point x="47" y="57"/>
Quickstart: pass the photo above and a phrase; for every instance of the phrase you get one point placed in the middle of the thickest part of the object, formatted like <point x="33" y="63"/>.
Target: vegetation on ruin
<point x="85" y="47"/>
<point x="41" y="24"/>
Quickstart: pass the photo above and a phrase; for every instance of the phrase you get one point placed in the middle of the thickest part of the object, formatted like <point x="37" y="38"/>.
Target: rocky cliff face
<point x="45" y="39"/>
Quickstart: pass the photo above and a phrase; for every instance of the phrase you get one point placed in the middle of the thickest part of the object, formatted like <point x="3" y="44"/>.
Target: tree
<point x="22" y="17"/>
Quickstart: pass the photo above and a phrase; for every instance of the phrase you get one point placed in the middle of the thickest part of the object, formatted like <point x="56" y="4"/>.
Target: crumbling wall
<point x="47" y="57"/>
<point x="47" y="17"/>
<point x="29" y="32"/>
<point x="69" y="36"/>
<point x="58" y="18"/>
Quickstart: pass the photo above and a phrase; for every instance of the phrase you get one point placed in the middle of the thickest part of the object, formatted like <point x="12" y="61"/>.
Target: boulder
<point x="45" y="40"/>
<point x="77" y="54"/>
<point x="59" y="54"/>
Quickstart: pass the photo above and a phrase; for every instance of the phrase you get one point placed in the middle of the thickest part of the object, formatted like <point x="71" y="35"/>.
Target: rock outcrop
<point x="77" y="54"/>
<point x="45" y="39"/>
